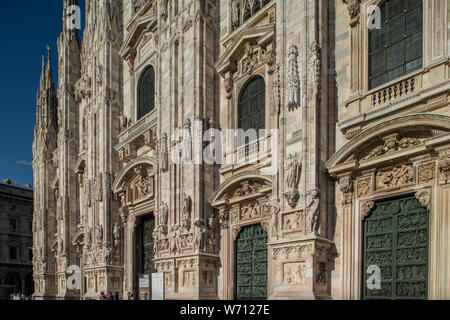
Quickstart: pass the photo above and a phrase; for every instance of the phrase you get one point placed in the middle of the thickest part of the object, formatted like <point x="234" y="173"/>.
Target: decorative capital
<point x="366" y="207"/>
<point x="353" y="7"/>
<point x="424" y="198"/>
<point x="346" y="187"/>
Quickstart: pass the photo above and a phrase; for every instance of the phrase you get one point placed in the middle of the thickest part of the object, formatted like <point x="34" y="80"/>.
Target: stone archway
<point x="135" y="187"/>
<point x="243" y="201"/>
<point x="406" y="156"/>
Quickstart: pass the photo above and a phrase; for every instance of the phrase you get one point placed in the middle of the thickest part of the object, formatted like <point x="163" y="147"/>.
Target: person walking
<point x="129" y="296"/>
<point x="116" y="296"/>
<point x="111" y="297"/>
<point x="102" y="296"/>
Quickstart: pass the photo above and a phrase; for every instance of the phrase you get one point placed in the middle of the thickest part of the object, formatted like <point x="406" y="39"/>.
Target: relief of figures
<point x="398" y="176"/>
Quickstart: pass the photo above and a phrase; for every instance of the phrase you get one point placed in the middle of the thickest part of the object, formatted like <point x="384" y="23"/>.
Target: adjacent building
<point x="16" y="239"/>
<point x="345" y="174"/>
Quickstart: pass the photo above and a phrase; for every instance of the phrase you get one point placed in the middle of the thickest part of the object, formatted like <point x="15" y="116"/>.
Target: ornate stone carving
<point x="223" y="218"/>
<point x="275" y="99"/>
<point x="398" y="176"/>
<point x="99" y="75"/>
<point x="315" y="63"/>
<point x="186" y="210"/>
<point x="363" y="187"/>
<point x="99" y="187"/>
<point x="88" y="237"/>
<point x="99" y="234"/>
<point x="164" y="153"/>
<point x="298" y="251"/>
<point x="247" y="188"/>
<point x="270" y="61"/>
<point x="253" y="56"/>
<point x="426" y="172"/>
<point x="444" y="165"/>
<point x="294" y="273"/>
<point x="366" y="208"/>
<point x="293" y="170"/>
<point x="144" y="182"/>
<point x="228" y="84"/>
<point x="293" y="221"/>
<point x="346" y="187"/>
<point x="200" y="230"/>
<point x="116" y="234"/>
<point x="353" y="7"/>
<point x="235" y="10"/>
<point x="293" y="80"/>
<point x="321" y="276"/>
<point x="250" y="211"/>
<point x="272" y="210"/>
<point x="313" y="213"/>
<point x="163" y="217"/>
<point x="175" y="239"/>
<point x="391" y="144"/>
<point x="424" y="198"/>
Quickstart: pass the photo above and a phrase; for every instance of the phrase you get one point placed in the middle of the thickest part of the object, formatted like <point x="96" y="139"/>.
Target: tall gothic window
<point x="146" y="92"/>
<point x="396" y="49"/>
<point x="252" y="106"/>
<point x="242" y="10"/>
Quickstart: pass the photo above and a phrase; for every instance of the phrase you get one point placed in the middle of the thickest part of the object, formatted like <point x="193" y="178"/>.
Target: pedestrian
<point x="102" y="296"/>
<point x="129" y="296"/>
<point x="132" y="297"/>
<point x="116" y="296"/>
<point x="111" y="297"/>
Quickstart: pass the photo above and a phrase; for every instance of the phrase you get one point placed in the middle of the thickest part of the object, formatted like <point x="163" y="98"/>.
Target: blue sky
<point x="26" y="27"/>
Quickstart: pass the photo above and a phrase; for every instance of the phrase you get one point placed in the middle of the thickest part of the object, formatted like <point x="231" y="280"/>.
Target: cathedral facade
<point x="247" y="149"/>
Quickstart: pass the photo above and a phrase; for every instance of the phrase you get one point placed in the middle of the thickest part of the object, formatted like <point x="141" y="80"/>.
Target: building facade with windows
<point x="344" y="174"/>
<point x="16" y="218"/>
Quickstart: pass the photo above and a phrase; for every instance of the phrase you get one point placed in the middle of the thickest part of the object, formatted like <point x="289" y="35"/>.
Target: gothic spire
<point x="42" y="81"/>
<point x="48" y="71"/>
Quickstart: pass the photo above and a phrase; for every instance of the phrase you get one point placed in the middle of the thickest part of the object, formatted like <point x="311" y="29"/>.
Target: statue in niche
<point x="235" y="5"/>
<point x="88" y="237"/>
<point x="99" y="233"/>
<point x="314" y="213"/>
<point x="293" y="172"/>
<point x="116" y="234"/>
<point x="186" y="212"/>
<point x="163" y="216"/>
<point x="201" y="227"/>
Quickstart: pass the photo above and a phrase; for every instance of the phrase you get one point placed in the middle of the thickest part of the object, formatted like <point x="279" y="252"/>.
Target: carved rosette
<point x="366" y="208"/>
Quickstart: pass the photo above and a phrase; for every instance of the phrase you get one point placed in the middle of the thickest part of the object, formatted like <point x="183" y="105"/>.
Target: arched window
<point x="146" y="92"/>
<point x="396" y="48"/>
<point x="12" y="253"/>
<point x="252" y="106"/>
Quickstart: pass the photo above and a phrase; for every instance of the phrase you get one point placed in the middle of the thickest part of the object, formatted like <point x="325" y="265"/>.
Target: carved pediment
<point x="399" y="138"/>
<point x="137" y="28"/>
<point x="259" y="35"/>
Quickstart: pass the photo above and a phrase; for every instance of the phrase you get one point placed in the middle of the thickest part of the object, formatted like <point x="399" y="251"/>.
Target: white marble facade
<point x="102" y="167"/>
